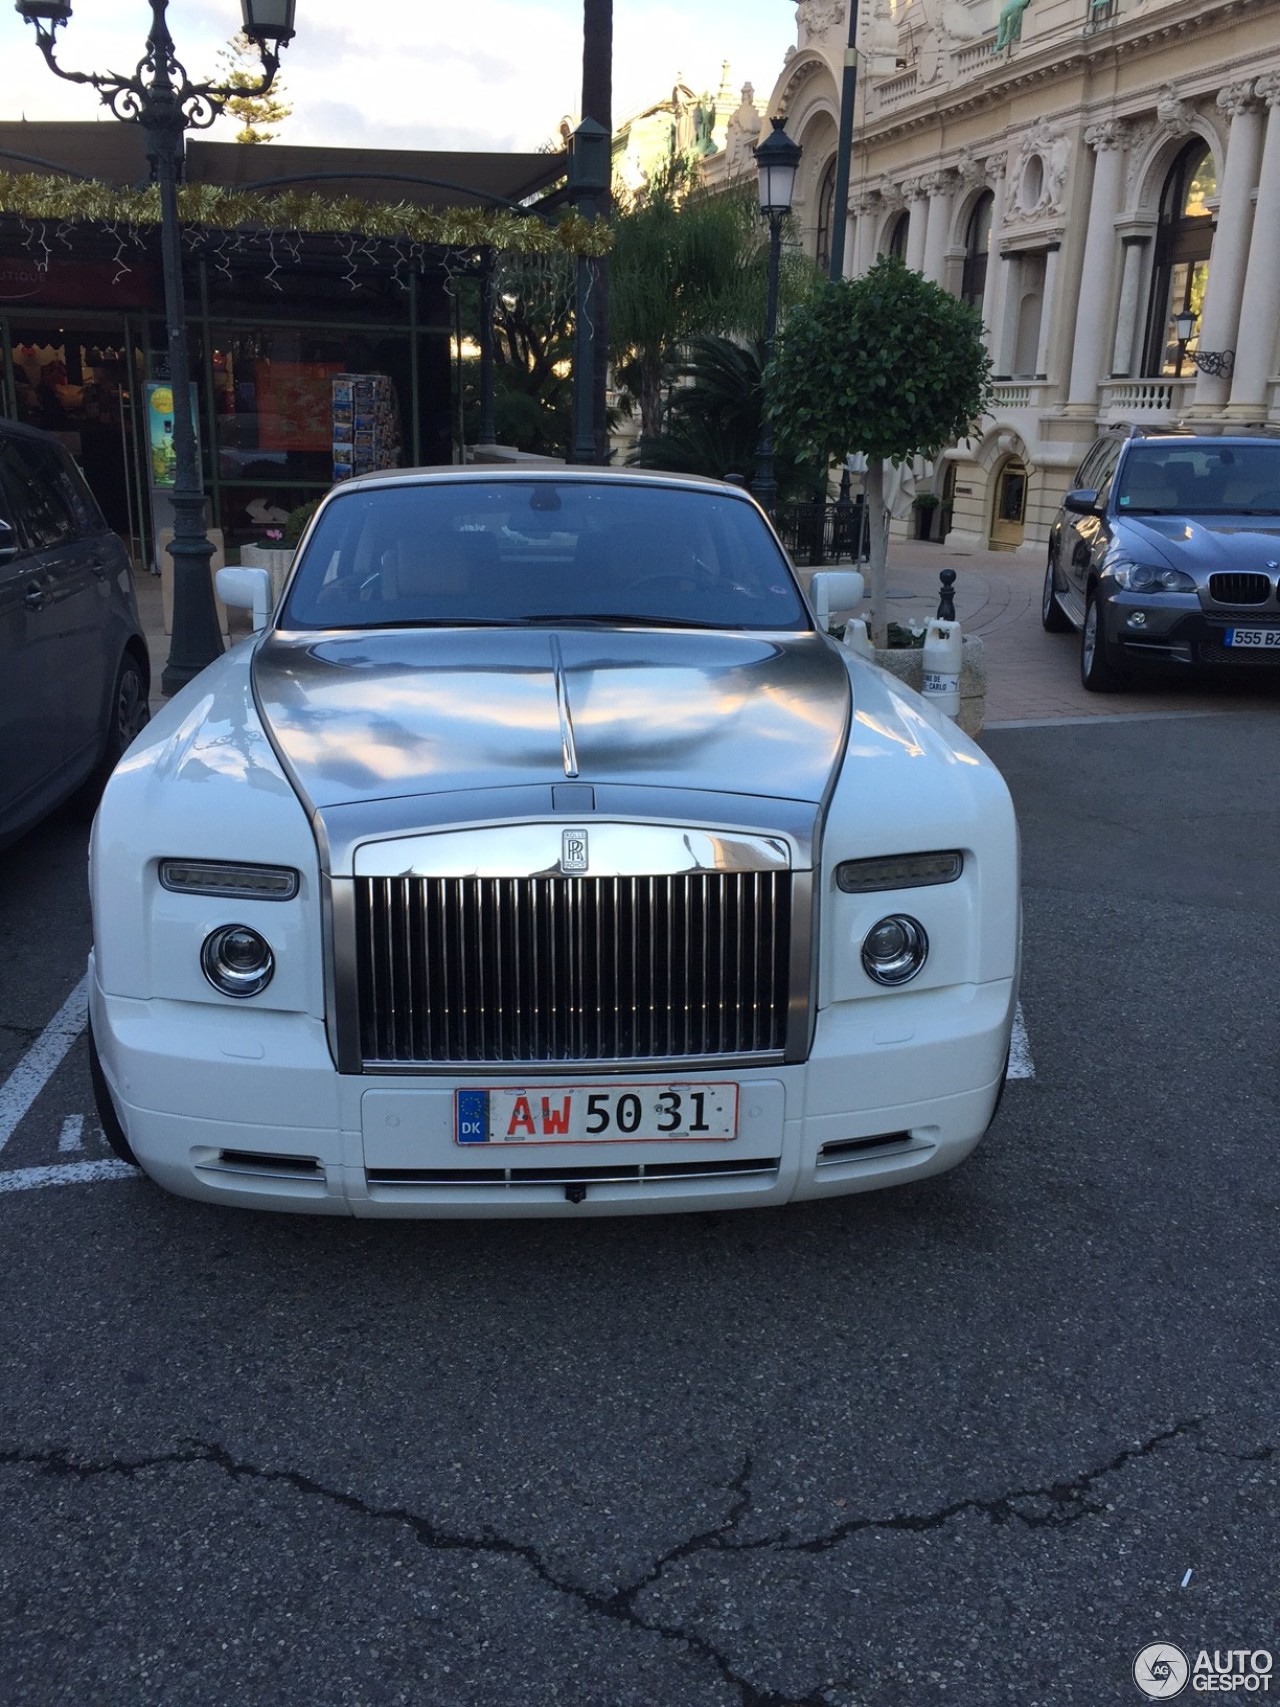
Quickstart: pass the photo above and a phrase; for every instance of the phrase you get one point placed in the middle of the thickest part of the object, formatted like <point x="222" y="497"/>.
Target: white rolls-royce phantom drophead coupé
<point x="542" y="855"/>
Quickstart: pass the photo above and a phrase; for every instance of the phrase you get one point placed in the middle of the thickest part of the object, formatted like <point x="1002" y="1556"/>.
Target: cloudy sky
<point x="483" y="74"/>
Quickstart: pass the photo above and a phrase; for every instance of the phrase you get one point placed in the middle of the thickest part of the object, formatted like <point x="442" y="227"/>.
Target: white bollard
<point x="944" y="653"/>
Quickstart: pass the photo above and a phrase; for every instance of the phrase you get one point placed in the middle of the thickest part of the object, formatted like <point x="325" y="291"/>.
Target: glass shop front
<point x="84" y="356"/>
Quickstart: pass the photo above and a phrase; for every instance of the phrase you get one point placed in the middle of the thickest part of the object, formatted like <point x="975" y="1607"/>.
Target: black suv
<point x="74" y="670"/>
<point x="1168" y="550"/>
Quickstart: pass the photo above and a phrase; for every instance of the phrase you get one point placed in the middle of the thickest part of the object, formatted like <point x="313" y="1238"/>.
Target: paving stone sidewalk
<point x="1032" y="676"/>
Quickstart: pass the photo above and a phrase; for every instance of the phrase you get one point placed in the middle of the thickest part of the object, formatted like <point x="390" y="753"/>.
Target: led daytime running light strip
<point x="214" y="877"/>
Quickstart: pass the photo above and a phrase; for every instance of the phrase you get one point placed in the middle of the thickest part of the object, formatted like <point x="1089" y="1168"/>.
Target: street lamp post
<point x="161" y="98"/>
<point x="589" y="165"/>
<point x="777" y="159"/>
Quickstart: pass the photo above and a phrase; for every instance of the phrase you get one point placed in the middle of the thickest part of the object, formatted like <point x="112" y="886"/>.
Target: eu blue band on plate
<point x="473" y="1117"/>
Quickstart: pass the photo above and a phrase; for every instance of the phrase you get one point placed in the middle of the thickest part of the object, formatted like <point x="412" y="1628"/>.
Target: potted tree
<point x="926" y="510"/>
<point x="904" y="372"/>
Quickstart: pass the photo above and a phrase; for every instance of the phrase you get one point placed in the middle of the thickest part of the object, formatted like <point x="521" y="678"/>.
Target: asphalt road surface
<point x="977" y="1441"/>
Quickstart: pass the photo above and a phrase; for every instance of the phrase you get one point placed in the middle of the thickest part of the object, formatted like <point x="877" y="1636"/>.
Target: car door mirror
<point x="834" y="589"/>
<point x="1082" y="501"/>
<point x="8" y="539"/>
<point x="247" y="589"/>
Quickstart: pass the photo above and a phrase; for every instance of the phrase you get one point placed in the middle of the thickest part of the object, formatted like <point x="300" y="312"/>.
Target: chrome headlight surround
<point x="1148" y="578"/>
<point x="237" y="961"/>
<point x="894" y="950"/>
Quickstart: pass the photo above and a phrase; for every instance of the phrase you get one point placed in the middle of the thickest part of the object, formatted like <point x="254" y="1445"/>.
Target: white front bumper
<point x="247" y="1108"/>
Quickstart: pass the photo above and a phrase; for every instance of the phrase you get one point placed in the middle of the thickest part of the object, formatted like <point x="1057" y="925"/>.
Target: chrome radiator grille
<point x="536" y="969"/>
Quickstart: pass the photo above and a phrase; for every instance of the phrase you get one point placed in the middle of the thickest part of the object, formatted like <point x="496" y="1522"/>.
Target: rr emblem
<point x="573" y="850"/>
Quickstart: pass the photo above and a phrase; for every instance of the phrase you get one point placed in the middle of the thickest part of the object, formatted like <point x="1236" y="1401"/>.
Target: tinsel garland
<point x="32" y="196"/>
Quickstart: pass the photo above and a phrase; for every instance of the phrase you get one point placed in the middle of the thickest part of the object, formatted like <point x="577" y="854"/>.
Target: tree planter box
<point x="274" y="559"/>
<point x="907" y="664"/>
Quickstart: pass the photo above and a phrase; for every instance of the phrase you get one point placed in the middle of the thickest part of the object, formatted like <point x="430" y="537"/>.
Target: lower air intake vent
<point x="854" y="1149"/>
<point x="275" y="1167"/>
<point x="741" y="1167"/>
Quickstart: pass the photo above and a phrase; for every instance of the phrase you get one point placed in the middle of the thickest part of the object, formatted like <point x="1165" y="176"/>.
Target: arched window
<point x="1180" y="273"/>
<point x="977" y="246"/>
<point x="826" y="205"/>
<point x="897" y="244"/>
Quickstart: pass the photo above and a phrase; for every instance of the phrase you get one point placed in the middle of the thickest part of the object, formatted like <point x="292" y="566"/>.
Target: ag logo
<point x="573" y="850"/>
<point x="1161" y="1671"/>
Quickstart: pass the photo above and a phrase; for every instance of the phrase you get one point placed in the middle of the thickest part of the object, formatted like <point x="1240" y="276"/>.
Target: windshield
<point x="1201" y="480"/>
<point x="458" y="553"/>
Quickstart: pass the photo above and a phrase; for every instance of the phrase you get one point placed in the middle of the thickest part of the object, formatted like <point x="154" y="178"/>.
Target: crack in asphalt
<point x="24" y="1033"/>
<point x="1068" y="1502"/>
<point x="1061" y="1504"/>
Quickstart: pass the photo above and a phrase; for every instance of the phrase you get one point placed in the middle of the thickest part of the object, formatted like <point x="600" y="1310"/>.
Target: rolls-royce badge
<point x="573" y="850"/>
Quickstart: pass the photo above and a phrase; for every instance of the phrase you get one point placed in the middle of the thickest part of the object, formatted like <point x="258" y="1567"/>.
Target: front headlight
<point x="1146" y="578"/>
<point x="237" y="961"/>
<point x="895" y="949"/>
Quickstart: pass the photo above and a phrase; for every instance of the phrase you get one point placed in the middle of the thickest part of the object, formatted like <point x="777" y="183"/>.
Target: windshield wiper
<point x="613" y="619"/>
<point x="389" y="625"/>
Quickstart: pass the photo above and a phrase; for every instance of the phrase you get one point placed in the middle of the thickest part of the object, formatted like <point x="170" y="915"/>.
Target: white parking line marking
<point x="1021" y="1066"/>
<point x="42" y="1060"/>
<point x="65" y="1173"/>
<point x="71" y="1137"/>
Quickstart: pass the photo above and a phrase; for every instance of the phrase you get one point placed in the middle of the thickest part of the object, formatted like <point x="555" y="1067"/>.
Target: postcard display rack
<point x="366" y="424"/>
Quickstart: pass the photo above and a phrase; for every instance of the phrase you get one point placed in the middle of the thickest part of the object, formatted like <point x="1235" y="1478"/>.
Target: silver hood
<point x="1223" y="543"/>
<point x="385" y="714"/>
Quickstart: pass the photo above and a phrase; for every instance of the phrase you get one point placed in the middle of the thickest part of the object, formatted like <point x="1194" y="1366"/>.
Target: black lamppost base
<point x="197" y="634"/>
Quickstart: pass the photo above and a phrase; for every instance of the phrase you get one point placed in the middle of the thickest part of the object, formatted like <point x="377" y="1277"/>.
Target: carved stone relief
<point x="816" y="17"/>
<point x="1038" y="173"/>
<point x="971" y="171"/>
<point x="1235" y="99"/>
<point x="810" y="64"/>
<point x="1110" y="134"/>
<point x="1175" y="114"/>
<point x="928" y="58"/>
<point x="1140" y="135"/>
<point x="742" y="133"/>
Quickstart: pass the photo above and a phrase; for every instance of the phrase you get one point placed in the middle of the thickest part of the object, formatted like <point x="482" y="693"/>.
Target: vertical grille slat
<point x="533" y="969"/>
<point x="1240" y="587"/>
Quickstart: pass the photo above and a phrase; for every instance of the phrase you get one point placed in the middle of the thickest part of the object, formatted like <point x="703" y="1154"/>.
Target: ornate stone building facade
<point x="1082" y="171"/>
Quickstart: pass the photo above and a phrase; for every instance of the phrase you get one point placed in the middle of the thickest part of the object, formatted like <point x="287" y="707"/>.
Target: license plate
<point x="594" y="1114"/>
<point x="1254" y="637"/>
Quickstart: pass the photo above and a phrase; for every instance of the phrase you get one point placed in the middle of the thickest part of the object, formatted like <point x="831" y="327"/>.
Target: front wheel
<point x="1053" y="618"/>
<point x="1100" y="669"/>
<point x="130" y="713"/>
<point x="112" y="1130"/>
